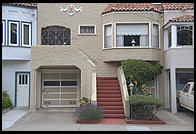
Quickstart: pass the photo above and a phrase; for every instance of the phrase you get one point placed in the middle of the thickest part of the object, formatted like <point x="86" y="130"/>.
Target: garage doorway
<point x="60" y="89"/>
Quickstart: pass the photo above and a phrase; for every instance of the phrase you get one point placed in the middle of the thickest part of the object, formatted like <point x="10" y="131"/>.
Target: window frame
<point x="159" y="29"/>
<point x="9" y="32"/>
<point x="87" y="26"/>
<point x="22" y="33"/>
<point x="4" y="33"/>
<point x="106" y="24"/>
<point x="134" y="22"/>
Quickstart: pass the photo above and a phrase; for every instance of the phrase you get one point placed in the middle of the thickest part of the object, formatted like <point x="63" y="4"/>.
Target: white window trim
<point x="86" y="33"/>
<point x="159" y="28"/>
<point x="135" y="22"/>
<point x="110" y="23"/>
<point x="29" y="24"/>
<point x="4" y="33"/>
<point x="17" y="23"/>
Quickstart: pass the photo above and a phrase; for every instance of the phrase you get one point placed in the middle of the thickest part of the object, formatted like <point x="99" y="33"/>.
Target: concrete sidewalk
<point x="9" y="118"/>
<point x="66" y="121"/>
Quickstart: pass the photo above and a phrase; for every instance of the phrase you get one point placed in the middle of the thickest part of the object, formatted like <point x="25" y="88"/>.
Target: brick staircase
<point x="109" y="97"/>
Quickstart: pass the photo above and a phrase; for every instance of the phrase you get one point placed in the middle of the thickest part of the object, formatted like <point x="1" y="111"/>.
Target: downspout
<point x="35" y="78"/>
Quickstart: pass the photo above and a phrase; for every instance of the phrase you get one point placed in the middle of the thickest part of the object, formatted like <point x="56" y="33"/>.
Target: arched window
<point x="55" y="35"/>
<point x="184" y="35"/>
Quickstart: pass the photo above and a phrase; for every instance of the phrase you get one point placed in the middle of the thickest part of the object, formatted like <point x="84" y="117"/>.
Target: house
<point x="80" y="47"/>
<point x="18" y="35"/>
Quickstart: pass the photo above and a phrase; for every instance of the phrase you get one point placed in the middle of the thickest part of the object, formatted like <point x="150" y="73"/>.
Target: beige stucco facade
<point x="86" y="52"/>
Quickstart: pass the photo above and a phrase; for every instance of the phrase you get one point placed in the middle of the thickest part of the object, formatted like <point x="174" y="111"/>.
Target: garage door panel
<point x="51" y="102"/>
<point x="68" y="102"/>
<point x="68" y="96"/>
<point x="51" y="96"/>
<point x="51" y="76"/>
<point x="69" y="89"/>
<point x="51" y="90"/>
<point x="68" y="76"/>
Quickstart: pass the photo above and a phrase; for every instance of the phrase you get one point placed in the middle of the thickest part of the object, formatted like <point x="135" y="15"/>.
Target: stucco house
<point x="18" y="35"/>
<point x="80" y="47"/>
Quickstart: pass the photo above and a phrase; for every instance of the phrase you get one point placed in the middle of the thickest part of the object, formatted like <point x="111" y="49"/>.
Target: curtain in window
<point x="108" y="36"/>
<point x="13" y="33"/>
<point x="132" y="29"/>
<point x="87" y="29"/>
<point x="26" y="35"/>
<point x="155" y="33"/>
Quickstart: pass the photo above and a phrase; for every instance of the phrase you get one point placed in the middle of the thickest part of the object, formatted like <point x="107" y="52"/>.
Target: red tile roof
<point x="24" y="4"/>
<point x="148" y="7"/>
<point x="178" y="6"/>
<point x="133" y="7"/>
<point x="183" y="18"/>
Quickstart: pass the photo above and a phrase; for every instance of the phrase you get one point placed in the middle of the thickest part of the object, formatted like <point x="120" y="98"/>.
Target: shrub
<point x="84" y="101"/>
<point x="6" y="102"/>
<point x="139" y="72"/>
<point x="144" y="107"/>
<point x="89" y="112"/>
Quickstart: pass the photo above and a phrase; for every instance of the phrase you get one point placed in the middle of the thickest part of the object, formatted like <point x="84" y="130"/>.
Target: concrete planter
<point x="144" y="121"/>
<point x="87" y="121"/>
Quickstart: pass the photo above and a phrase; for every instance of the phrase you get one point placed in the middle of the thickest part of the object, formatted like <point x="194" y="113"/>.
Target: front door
<point x="22" y="89"/>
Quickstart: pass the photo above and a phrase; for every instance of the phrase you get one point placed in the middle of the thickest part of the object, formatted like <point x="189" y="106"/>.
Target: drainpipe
<point x="35" y="78"/>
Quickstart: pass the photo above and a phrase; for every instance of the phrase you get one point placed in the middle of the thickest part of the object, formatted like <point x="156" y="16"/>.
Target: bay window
<point x="131" y="35"/>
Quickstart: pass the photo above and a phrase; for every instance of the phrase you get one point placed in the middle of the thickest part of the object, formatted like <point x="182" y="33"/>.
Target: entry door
<point x="22" y="89"/>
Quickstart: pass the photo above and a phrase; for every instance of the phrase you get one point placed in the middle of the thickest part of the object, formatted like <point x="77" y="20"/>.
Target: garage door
<point x="60" y="89"/>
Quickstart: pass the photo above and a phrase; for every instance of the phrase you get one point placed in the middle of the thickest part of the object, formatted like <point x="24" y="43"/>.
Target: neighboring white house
<point x="18" y="34"/>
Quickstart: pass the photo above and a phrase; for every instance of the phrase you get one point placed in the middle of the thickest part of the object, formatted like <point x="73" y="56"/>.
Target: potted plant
<point x="88" y="112"/>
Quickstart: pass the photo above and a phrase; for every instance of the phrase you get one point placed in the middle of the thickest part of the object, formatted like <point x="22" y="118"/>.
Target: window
<point x="186" y="89"/>
<point x="192" y="92"/>
<point x="87" y="30"/>
<point x="68" y="83"/>
<point x="26" y="34"/>
<point x="3" y="32"/>
<point x="131" y="35"/>
<point x="169" y="37"/>
<point x="51" y="83"/>
<point x="107" y="36"/>
<point x="55" y="35"/>
<point x="13" y="33"/>
<point x="155" y="34"/>
<point x="184" y="35"/>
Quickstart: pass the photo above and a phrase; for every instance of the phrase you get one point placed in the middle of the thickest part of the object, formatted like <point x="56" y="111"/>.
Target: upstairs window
<point x="107" y="36"/>
<point x="132" y="35"/>
<point x="155" y="35"/>
<point x="184" y="35"/>
<point x="13" y="33"/>
<point x="3" y="32"/>
<point x="26" y="34"/>
<point x="55" y="35"/>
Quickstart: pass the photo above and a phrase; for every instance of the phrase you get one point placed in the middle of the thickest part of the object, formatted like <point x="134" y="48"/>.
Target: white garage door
<point x="60" y="89"/>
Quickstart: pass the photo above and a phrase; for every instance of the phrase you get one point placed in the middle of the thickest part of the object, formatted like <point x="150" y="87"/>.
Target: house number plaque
<point x="71" y="9"/>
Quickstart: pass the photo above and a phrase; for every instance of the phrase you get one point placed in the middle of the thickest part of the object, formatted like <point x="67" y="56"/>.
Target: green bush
<point x="84" y="101"/>
<point x="140" y="71"/>
<point x="144" y="107"/>
<point x="6" y="102"/>
<point x="89" y="112"/>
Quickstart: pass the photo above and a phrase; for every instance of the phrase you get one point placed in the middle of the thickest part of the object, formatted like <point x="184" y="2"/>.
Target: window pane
<point x="132" y="35"/>
<point x="23" y="79"/>
<point x="2" y="33"/>
<point x="186" y="89"/>
<point x="26" y="79"/>
<point x="20" y="79"/>
<point x="51" y="83"/>
<point x="68" y="83"/>
<point x="169" y="39"/>
<point x="87" y="29"/>
<point x="108" y="36"/>
<point x="13" y="33"/>
<point x="184" y="37"/>
<point x="155" y="33"/>
<point x="26" y="34"/>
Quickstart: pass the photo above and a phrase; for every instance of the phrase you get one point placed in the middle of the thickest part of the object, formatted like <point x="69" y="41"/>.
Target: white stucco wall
<point x="9" y="68"/>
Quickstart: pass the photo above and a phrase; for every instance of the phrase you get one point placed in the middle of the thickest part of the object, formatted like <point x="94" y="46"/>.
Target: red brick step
<point x="109" y="99"/>
<point x="108" y="96"/>
<point x="110" y="103"/>
<point x="114" y="116"/>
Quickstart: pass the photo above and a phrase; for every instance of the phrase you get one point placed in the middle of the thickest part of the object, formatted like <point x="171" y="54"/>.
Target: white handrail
<point x="94" y="88"/>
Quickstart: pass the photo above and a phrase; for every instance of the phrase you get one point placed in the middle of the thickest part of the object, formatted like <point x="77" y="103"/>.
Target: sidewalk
<point x="66" y="121"/>
<point x="9" y="118"/>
